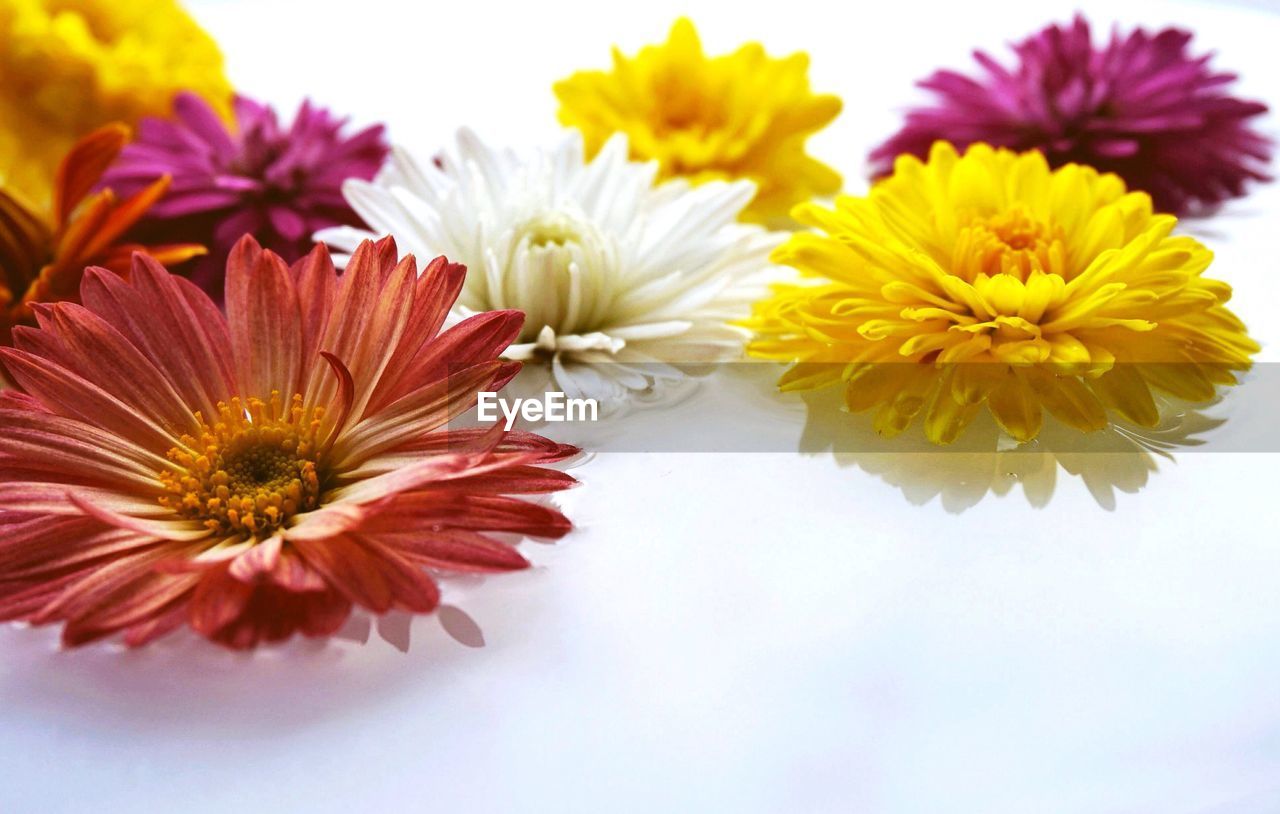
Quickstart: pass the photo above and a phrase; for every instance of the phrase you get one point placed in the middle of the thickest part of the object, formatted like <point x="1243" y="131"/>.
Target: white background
<point x="764" y="632"/>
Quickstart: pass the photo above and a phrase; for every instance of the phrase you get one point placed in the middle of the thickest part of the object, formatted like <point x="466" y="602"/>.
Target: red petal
<point x="423" y="410"/>
<point x="94" y="349"/>
<point x="316" y="281"/>
<point x="162" y="624"/>
<point x="436" y="290"/>
<point x="456" y="549"/>
<point x="146" y="598"/>
<point x="474" y="340"/>
<point x="346" y="392"/>
<point x="68" y="394"/>
<point x="173" y="322"/>
<point x="266" y="325"/>
<point x="371" y="575"/>
<point x="261" y="558"/>
<point x="216" y="601"/>
<point x="518" y="480"/>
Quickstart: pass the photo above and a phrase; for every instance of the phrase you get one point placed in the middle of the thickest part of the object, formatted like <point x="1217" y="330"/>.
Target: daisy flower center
<point x="253" y="468"/>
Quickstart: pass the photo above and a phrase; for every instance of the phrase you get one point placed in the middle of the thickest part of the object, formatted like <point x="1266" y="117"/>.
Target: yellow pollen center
<point x="1010" y="242"/>
<point x="251" y="470"/>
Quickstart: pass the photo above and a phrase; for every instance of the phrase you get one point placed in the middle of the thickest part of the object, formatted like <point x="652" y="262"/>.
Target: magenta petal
<point x="176" y="205"/>
<point x="281" y="183"/>
<point x="199" y="117"/>
<point x="1116" y="148"/>
<point x="289" y="224"/>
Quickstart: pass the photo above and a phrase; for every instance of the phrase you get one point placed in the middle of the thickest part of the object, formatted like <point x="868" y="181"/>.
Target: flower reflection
<point x="1121" y="458"/>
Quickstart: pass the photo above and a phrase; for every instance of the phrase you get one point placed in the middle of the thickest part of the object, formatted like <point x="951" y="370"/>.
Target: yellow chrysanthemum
<point x="741" y="115"/>
<point x="69" y="66"/>
<point x="989" y="279"/>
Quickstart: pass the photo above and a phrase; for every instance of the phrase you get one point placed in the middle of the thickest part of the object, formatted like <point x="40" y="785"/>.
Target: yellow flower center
<point x="1010" y="242"/>
<point x="251" y="470"/>
<point x="685" y="106"/>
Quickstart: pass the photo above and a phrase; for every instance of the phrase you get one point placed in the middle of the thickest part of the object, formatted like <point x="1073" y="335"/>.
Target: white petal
<point x="619" y="273"/>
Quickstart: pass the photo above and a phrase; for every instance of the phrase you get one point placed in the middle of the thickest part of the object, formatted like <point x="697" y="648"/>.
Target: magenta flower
<point x="1141" y="107"/>
<point x="280" y="184"/>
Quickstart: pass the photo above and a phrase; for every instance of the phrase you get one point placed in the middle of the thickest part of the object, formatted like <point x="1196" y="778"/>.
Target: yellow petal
<point x="809" y="376"/>
<point x="1123" y="389"/>
<point x="946" y="417"/>
<point x="873" y="383"/>
<point x="1015" y="408"/>
<point x="1068" y="400"/>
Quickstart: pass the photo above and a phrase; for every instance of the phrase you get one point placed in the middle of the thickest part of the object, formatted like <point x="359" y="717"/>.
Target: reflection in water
<point x="984" y="461"/>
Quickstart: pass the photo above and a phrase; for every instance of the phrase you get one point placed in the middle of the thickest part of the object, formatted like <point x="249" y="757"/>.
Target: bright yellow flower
<point x="989" y="279"/>
<point x="70" y="66"/>
<point x="741" y="115"/>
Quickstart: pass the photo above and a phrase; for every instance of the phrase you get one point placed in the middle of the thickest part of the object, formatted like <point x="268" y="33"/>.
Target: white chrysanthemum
<point x="622" y="281"/>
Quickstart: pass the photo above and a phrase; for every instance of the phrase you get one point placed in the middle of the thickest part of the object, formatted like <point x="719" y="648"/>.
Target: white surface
<point x="764" y="632"/>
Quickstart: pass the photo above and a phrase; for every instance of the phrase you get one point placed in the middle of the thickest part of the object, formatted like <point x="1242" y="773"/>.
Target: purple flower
<point x="279" y="184"/>
<point x="1142" y="107"/>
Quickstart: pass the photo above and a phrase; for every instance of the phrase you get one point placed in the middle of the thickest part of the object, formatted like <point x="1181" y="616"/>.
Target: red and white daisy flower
<point x="260" y="473"/>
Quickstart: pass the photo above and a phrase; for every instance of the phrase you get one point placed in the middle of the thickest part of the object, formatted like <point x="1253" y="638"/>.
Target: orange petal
<point x="83" y="167"/>
<point x="119" y="258"/>
<point x="75" y="237"/>
<point x="171" y="254"/>
<point x="24" y="243"/>
<point x="56" y="282"/>
<point x="125" y="215"/>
